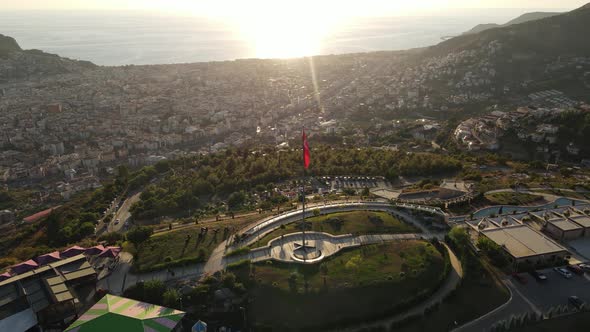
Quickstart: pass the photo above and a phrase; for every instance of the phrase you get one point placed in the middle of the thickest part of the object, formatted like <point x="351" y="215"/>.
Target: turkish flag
<point x="306" y="157"/>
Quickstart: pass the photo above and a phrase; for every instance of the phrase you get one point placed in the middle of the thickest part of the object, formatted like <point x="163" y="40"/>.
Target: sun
<point x="280" y="31"/>
<point x="286" y="28"/>
<point x="271" y="28"/>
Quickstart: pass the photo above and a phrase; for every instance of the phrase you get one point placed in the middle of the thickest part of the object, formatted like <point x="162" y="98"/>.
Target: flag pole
<point x="303" y="188"/>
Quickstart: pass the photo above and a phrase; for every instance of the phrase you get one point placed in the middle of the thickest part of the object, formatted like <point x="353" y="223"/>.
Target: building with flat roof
<point x="46" y="296"/>
<point x="563" y="229"/>
<point x="583" y="220"/>
<point x="523" y="244"/>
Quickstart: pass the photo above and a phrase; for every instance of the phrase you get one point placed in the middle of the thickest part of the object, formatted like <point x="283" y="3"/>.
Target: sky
<point x="215" y="8"/>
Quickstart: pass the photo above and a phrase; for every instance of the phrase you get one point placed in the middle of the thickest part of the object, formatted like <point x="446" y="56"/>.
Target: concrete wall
<point x="554" y="231"/>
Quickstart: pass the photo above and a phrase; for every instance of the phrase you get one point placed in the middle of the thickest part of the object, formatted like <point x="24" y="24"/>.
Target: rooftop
<point x="114" y="313"/>
<point x="581" y="219"/>
<point x="522" y="241"/>
<point x="564" y="224"/>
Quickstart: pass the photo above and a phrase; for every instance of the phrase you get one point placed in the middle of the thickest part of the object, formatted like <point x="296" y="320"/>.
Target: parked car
<point x="565" y="273"/>
<point x="539" y="276"/>
<point x="519" y="277"/>
<point x="576" y="302"/>
<point x="575" y="269"/>
<point x="585" y="267"/>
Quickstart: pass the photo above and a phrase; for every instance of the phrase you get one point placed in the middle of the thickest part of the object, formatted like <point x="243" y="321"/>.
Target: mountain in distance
<point x="8" y="45"/>
<point x="16" y="63"/>
<point x="559" y="35"/>
<point x="521" y="19"/>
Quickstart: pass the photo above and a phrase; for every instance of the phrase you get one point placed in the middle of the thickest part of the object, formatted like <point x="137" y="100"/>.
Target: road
<point x="123" y="214"/>
<point x="537" y="297"/>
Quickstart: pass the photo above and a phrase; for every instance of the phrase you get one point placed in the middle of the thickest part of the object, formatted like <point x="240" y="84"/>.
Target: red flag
<point x="306" y="157"/>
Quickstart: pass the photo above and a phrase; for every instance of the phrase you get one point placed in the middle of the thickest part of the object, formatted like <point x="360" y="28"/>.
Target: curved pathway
<point x="217" y="261"/>
<point x="281" y="249"/>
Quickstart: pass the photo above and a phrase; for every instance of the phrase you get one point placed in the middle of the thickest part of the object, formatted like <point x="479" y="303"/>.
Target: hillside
<point x="564" y="34"/>
<point x="16" y="63"/>
<point x="531" y="17"/>
<point x="8" y="45"/>
<point x="482" y="27"/>
<point x="521" y="19"/>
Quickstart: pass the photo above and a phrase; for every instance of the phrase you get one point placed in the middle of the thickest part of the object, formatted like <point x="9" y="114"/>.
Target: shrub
<point x="238" y="252"/>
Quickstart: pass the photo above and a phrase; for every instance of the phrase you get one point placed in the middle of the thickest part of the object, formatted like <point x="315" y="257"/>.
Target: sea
<point x="123" y="38"/>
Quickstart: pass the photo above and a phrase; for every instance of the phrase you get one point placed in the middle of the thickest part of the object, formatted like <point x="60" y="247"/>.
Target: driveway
<point x="533" y="296"/>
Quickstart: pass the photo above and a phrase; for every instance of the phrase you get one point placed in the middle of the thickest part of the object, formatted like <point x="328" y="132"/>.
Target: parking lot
<point x="555" y="290"/>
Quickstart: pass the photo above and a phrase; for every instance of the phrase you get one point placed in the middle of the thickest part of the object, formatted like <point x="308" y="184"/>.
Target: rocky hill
<point x="16" y="63"/>
<point x="8" y="45"/>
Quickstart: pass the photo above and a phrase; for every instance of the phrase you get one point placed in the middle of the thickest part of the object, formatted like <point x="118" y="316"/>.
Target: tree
<point x="123" y="171"/>
<point x="349" y="191"/>
<point x="366" y="192"/>
<point x="236" y="199"/>
<point x="138" y="235"/>
<point x="86" y="229"/>
<point x="162" y="166"/>
<point x="316" y="212"/>
<point x="170" y="298"/>
<point x="228" y="280"/>
<point x="494" y="252"/>
<point x="153" y="291"/>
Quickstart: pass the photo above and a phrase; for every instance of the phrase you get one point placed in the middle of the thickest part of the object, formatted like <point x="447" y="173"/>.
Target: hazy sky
<point x="241" y="7"/>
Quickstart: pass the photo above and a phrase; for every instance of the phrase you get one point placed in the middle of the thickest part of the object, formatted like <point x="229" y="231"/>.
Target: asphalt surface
<point x="555" y="290"/>
<point x="123" y="214"/>
<point x="533" y="296"/>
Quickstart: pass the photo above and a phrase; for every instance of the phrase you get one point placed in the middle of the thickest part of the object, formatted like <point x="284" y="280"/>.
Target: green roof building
<point x="114" y="313"/>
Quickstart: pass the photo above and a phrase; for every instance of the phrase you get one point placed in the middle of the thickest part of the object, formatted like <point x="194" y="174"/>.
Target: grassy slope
<point x="463" y="306"/>
<point x="359" y="283"/>
<point x="352" y="222"/>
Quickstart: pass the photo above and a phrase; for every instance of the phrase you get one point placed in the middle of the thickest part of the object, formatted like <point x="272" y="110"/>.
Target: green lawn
<point x="355" y="222"/>
<point x="478" y="294"/>
<point x="172" y="249"/>
<point x="360" y="284"/>
<point x="513" y="198"/>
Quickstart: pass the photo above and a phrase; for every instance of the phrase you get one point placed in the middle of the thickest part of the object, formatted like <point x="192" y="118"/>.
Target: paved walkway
<point x="218" y="262"/>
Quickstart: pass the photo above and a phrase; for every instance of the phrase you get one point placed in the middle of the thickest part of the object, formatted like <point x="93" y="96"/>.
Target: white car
<point x="565" y="273"/>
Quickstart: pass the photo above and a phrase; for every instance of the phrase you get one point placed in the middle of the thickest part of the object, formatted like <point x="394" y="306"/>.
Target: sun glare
<point x="279" y="32"/>
<point x="287" y="28"/>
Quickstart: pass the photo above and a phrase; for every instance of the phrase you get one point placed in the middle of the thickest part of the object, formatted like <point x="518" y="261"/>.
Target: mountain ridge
<point x="527" y="17"/>
<point x="562" y="34"/>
